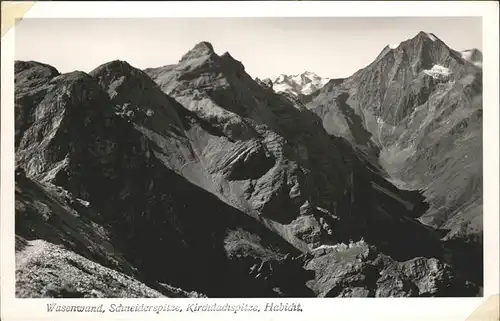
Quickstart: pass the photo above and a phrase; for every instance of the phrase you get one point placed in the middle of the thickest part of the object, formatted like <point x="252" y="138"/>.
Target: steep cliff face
<point x="208" y="181"/>
<point x="417" y="111"/>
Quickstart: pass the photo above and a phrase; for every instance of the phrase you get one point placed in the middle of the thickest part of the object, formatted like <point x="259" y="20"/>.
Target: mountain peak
<point x="203" y="48"/>
<point x="112" y="66"/>
<point x="204" y="45"/>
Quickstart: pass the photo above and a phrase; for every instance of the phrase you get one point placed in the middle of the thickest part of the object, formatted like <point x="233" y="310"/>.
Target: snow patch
<point x="282" y="87"/>
<point x="281" y="78"/>
<point x="394" y="46"/>
<point x="325" y="211"/>
<point x="340" y="247"/>
<point x="437" y="71"/>
<point x="84" y="203"/>
<point x="466" y="54"/>
<point x="324" y="246"/>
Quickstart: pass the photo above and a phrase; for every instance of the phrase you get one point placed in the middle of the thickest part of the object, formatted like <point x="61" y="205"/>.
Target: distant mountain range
<point x="304" y="83"/>
<point x="193" y="179"/>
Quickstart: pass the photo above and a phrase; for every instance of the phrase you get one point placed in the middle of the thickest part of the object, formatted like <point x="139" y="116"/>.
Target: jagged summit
<point x="203" y="48"/>
<point x="426" y="41"/>
<point x="421" y="36"/>
<point x="204" y="45"/>
<point x="198" y="68"/>
<point x="428" y="35"/>
<point x="426" y="52"/>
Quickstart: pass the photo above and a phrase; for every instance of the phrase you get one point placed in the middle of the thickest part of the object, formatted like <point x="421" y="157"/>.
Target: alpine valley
<point x="196" y="180"/>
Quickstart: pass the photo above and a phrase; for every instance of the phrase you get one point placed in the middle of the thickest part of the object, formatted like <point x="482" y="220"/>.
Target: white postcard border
<point x="337" y="309"/>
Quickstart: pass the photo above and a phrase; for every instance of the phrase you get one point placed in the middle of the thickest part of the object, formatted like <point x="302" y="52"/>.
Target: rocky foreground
<point x="194" y="179"/>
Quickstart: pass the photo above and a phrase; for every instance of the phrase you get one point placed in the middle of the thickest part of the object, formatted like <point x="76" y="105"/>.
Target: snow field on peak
<point x="437" y="71"/>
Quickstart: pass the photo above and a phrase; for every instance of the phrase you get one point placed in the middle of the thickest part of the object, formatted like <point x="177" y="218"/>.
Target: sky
<point x="333" y="47"/>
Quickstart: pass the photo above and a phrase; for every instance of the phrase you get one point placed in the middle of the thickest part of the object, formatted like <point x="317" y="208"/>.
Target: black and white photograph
<point x="248" y="157"/>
